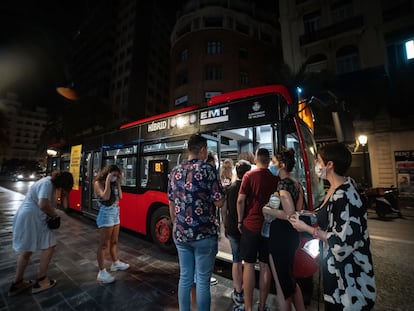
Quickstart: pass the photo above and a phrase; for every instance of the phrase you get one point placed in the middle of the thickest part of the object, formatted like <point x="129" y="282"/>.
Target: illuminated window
<point x="409" y="49"/>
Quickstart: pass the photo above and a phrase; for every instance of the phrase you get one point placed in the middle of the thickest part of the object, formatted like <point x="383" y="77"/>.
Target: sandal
<point x="18" y="287"/>
<point x="40" y="287"/>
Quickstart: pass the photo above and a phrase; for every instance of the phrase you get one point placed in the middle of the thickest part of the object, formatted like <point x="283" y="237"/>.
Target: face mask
<point x="274" y="170"/>
<point x="114" y="178"/>
<point x="320" y="171"/>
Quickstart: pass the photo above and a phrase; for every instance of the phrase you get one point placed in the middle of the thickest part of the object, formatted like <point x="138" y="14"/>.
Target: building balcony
<point x="333" y="30"/>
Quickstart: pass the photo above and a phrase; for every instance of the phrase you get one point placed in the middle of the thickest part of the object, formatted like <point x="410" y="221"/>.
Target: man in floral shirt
<point x="194" y="192"/>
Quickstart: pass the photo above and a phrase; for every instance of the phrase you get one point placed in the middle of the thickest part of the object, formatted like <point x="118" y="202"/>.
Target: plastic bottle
<point x="274" y="202"/>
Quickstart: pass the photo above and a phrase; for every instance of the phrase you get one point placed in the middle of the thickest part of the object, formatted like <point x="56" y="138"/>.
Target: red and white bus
<point x="148" y="149"/>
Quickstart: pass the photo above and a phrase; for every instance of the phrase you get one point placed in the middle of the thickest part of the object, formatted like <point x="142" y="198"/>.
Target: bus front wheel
<point x="161" y="229"/>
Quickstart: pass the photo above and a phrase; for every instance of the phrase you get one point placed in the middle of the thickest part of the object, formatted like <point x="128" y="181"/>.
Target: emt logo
<point x="216" y="115"/>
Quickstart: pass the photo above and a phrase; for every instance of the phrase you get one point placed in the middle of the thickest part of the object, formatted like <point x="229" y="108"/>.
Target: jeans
<point x="108" y="216"/>
<point x="235" y="247"/>
<point x="196" y="262"/>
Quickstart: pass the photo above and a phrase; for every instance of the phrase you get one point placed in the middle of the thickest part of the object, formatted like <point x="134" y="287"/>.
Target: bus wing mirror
<point x="344" y="127"/>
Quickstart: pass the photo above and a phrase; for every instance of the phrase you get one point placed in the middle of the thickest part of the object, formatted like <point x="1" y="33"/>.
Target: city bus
<point x="146" y="150"/>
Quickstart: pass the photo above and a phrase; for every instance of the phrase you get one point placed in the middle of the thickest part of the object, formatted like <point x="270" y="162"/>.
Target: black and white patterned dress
<point x="348" y="274"/>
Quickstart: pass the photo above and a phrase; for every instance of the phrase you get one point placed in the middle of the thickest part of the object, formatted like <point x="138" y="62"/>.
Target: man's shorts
<point x="253" y="246"/>
<point x="108" y="216"/>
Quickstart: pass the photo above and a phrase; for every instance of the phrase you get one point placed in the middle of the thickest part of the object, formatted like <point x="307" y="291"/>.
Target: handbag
<point x="304" y="264"/>
<point x="53" y="222"/>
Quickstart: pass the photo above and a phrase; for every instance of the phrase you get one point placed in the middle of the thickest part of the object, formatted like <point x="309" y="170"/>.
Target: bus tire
<point x="161" y="230"/>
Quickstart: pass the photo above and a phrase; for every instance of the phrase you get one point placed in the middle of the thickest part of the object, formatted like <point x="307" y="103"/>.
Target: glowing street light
<point x="363" y="140"/>
<point x="51" y="152"/>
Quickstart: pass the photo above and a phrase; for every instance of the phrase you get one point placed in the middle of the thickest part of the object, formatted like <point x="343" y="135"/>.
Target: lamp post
<point x="363" y="139"/>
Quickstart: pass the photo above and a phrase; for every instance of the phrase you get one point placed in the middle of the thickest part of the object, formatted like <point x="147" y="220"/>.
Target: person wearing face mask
<point x="284" y="239"/>
<point x="348" y="275"/>
<point x="107" y="189"/>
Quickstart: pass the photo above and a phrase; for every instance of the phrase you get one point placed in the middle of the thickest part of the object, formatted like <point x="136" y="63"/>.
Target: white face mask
<point x="320" y="171"/>
<point x="114" y="178"/>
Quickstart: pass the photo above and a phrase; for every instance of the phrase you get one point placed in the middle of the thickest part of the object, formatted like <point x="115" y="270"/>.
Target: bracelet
<point x="315" y="233"/>
<point x="240" y="222"/>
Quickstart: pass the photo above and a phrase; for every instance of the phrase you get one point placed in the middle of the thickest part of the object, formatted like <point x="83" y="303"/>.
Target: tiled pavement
<point x="150" y="283"/>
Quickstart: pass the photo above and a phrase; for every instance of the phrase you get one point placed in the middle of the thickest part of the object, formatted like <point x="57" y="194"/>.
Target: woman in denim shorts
<point x="107" y="188"/>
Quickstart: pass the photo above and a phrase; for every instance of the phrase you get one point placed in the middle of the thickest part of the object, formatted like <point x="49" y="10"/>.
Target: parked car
<point x="26" y="176"/>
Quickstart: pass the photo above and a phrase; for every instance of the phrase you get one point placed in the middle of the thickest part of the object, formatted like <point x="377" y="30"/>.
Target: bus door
<point x="91" y="165"/>
<point x="213" y="145"/>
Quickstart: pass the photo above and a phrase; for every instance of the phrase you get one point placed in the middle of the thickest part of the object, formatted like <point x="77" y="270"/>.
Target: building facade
<point x="369" y="46"/>
<point x="121" y="56"/>
<point x="220" y="46"/>
<point x="24" y="128"/>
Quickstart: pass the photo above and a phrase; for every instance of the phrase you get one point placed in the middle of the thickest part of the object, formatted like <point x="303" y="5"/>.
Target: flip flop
<point x="17" y="288"/>
<point x="37" y="288"/>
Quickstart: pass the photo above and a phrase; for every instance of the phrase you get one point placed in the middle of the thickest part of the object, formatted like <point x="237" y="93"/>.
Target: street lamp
<point x="363" y="139"/>
<point x="67" y="93"/>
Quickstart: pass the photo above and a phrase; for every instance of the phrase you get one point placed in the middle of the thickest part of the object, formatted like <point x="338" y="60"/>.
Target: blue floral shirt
<point x="193" y="187"/>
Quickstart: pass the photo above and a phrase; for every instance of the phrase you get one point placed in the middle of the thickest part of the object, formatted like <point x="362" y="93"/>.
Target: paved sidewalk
<point x="150" y="283"/>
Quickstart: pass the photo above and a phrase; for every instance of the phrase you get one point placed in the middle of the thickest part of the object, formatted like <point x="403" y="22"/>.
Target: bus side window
<point x="158" y="175"/>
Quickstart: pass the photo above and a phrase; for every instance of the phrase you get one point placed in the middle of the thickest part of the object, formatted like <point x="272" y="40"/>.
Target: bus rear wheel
<point x="161" y="230"/>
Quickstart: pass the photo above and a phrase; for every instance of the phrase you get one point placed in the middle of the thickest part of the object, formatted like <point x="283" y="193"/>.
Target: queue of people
<point x="196" y="190"/>
<point x="348" y="278"/>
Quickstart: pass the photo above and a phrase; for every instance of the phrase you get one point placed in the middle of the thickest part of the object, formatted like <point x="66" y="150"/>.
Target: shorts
<point x="235" y="247"/>
<point x="253" y="246"/>
<point x="108" y="216"/>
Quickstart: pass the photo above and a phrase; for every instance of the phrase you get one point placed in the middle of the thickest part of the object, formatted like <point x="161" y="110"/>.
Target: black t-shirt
<point x="231" y="217"/>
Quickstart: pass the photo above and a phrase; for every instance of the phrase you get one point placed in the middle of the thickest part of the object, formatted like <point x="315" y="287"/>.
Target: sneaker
<point x="238" y="308"/>
<point x="238" y="298"/>
<point x="213" y="281"/>
<point x="119" y="265"/>
<point x="105" y="277"/>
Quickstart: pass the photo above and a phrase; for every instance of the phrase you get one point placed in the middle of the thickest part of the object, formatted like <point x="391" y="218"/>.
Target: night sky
<point x="33" y="46"/>
<point x="35" y="38"/>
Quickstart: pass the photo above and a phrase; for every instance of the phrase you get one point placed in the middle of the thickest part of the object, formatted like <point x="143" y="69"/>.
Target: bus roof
<point x="222" y="98"/>
<point x="225" y="97"/>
